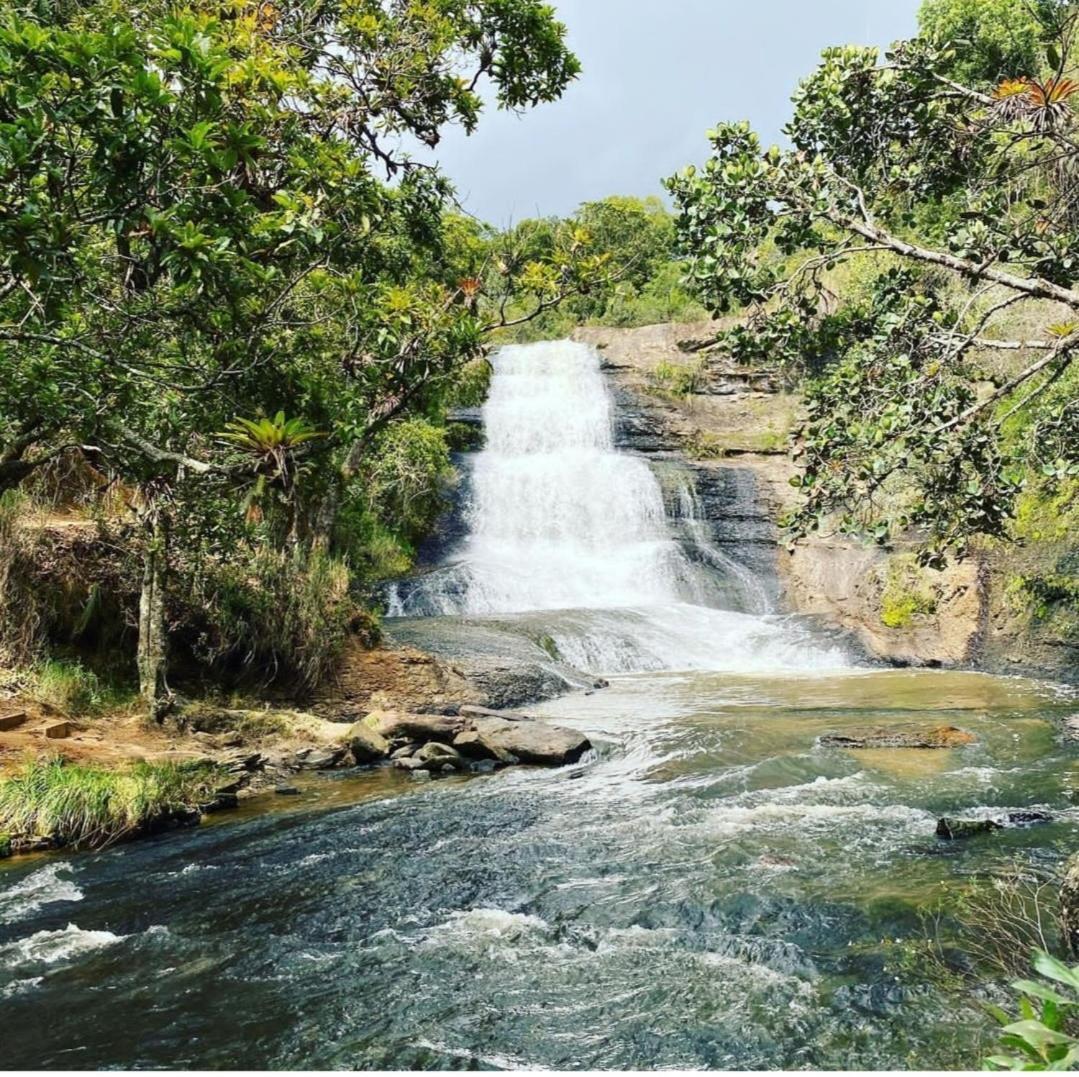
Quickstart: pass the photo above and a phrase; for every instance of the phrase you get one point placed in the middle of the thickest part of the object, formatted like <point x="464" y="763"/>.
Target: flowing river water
<point x="709" y="888"/>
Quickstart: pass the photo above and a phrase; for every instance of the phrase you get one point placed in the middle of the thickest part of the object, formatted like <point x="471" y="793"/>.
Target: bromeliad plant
<point x="271" y="442"/>
<point x="1040" y="1039"/>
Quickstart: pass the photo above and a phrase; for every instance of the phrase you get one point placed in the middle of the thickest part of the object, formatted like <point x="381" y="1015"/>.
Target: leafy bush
<point x="1043" y="1037"/>
<point x="281" y="613"/>
<point x="68" y="686"/>
<point x="677" y="379"/>
<point x="407" y="475"/>
<point x="20" y="616"/>
<point x="90" y="806"/>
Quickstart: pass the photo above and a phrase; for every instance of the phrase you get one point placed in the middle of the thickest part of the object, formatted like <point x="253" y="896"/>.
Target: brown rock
<point x="534" y="742"/>
<point x="945" y="736"/>
<point x="416" y="727"/>
<point x="475" y="745"/>
<point x="471" y="711"/>
<point x="367" y="745"/>
<point x="58" y="730"/>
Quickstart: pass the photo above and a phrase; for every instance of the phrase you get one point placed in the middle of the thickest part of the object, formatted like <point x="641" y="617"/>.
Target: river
<point x="710" y="887"/>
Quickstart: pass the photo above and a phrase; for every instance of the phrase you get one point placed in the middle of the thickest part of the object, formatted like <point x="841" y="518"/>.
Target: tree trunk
<point x="152" y="654"/>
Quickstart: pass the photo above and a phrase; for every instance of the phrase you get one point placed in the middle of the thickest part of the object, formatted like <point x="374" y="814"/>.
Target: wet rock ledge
<point x="475" y="739"/>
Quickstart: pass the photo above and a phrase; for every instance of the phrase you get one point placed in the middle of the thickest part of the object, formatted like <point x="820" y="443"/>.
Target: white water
<point x="560" y="520"/>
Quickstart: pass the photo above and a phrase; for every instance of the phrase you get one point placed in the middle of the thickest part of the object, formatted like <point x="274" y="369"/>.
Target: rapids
<point x="709" y="888"/>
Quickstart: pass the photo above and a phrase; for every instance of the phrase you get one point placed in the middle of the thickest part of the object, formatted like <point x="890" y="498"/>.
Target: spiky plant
<point x="272" y="442"/>
<point x="1045" y="104"/>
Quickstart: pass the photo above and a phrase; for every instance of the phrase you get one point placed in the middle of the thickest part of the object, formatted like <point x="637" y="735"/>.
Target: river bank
<point x="713" y="888"/>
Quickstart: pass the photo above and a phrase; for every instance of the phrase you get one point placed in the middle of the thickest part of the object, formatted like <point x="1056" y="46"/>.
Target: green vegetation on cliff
<point x="913" y="261"/>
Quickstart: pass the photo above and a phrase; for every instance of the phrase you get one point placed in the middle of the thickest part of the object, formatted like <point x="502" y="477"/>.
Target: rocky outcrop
<point x="952" y="829"/>
<point x="675" y="401"/>
<point x="471" y="741"/>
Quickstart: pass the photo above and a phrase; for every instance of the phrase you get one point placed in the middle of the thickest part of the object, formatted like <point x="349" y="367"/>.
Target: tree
<point x="196" y="228"/>
<point x="955" y="204"/>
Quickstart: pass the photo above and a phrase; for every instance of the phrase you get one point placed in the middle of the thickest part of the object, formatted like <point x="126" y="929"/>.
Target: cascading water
<point x="560" y="521"/>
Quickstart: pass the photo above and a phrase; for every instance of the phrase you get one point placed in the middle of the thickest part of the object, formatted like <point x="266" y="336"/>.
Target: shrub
<point x="677" y="379"/>
<point x="68" y="686"/>
<point x="89" y="806"/>
<point x="20" y="615"/>
<point x="407" y="475"/>
<point x="1041" y="1039"/>
<point x="282" y="613"/>
<point x="904" y="596"/>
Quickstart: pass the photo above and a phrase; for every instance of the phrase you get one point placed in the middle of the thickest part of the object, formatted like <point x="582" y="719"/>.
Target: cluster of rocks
<point x="474" y="739"/>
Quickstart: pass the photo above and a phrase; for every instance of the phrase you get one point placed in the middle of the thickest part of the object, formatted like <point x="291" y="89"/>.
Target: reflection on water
<point x="711" y="889"/>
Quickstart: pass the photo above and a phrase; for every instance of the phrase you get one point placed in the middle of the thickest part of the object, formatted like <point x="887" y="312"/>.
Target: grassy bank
<point x="85" y="806"/>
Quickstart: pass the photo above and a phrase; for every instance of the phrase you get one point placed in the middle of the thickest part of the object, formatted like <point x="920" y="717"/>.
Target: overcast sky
<point x="657" y="74"/>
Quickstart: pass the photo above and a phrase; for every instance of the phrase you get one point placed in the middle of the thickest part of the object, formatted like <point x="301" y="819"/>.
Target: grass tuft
<point x="90" y="806"/>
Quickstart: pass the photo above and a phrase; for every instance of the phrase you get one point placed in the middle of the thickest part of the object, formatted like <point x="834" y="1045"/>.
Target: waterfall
<point x="561" y="521"/>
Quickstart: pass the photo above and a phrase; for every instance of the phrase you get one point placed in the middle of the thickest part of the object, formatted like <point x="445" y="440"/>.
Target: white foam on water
<point x="489" y="924"/>
<point x="51" y="947"/>
<point x="43" y="887"/>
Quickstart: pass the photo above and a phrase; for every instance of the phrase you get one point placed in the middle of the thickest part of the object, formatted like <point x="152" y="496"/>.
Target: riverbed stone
<point x="319" y="758"/>
<point x="476" y="745"/>
<point x="965" y="828"/>
<point x="471" y="711"/>
<point x="366" y="744"/>
<point x="945" y="736"/>
<point x="418" y="727"/>
<point x="436" y="756"/>
<point x="534" y="742"/>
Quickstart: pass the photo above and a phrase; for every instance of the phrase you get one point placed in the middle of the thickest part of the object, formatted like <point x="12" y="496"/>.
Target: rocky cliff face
<point x="730" y="426"/>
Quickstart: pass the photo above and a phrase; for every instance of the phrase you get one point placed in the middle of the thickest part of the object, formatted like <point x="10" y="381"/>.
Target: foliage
<point x="89" y="806"/>
<point x="904" y="595"/>
<point x="1042" y="1037"/>
<point x="676" y="379"/>
<point x="991" y="39"/>
<point x="20" y="618"/>
<point x="68" y="686"/>
<point x="207" y="213"/>
<point x="902" y="433"/>
<point x="269" y="613"/>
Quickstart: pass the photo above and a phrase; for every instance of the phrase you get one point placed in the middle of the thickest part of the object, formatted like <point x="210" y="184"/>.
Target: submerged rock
<point x="945" y="736"/>
<point x="436" y="756"/>
<point x="965" y="828"/>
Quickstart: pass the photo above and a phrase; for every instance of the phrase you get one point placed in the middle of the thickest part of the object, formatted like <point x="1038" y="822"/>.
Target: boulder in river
<point x="414" y="727"/>
<point x="945" y="736"/>
<point x="475" y="745"/>
<point x="319" y="758"/>
<point x="533" y="742"/>
<point x="366" y="744"/>
<point x="965" y="828"/>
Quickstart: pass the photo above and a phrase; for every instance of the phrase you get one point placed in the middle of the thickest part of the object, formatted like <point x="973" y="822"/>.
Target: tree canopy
<point x="208" y="217"/>
<point x="952" y="207"/>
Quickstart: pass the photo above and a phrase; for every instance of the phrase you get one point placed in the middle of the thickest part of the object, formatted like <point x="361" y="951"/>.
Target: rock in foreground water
<point x="434" y="741"/>
<point x="945" y="736"/>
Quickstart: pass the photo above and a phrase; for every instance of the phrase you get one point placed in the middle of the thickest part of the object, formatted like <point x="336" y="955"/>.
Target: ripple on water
<point x="53" y="947"/>
<point x="43" y="887"/>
